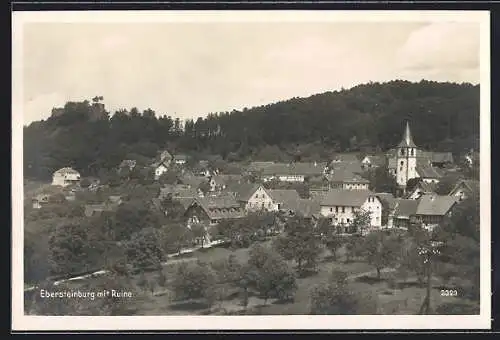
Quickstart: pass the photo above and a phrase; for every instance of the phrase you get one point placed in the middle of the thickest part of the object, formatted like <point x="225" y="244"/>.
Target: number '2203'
<point x="449" y="292"/>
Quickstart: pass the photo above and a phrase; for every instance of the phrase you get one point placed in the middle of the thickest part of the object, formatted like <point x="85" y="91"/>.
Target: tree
<point x="329" y="237"/>
<point x="446" y="184"/>
<point x="171" y="176"/>
<point x="193" y="280"/>
<point x="412" y="183"/>
<point x="269" y="274"/>
<point x="361" y="221"/>
<point x="176" y="236"/>
<point x="381" y="250"/>
<point x="381" y="180"/>
<point x="85" y="183"/>
<point x="336" y="298"/>
<point x="204" y="187"/>
<point x="299" y="244"/>
<point x="199" y="232"/>
<point x="69" y="248"/>
<point x="144" y="250"/>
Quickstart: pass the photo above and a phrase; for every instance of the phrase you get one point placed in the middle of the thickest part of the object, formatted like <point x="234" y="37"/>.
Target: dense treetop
<point x="443" y="116"/>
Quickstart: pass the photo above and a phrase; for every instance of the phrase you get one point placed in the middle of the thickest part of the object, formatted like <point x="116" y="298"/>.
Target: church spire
<point x="407" y="141"/>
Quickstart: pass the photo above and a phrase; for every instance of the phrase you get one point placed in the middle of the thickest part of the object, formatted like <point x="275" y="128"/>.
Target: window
<point x="343" y="209"/>
<point x="402" y="163"/>
<point x="352" y="209"/>
<point x="331" y="209"/>
<point x="336" y="209"/>
<point x="402" y="152"/>
<point x="348" y="220"/>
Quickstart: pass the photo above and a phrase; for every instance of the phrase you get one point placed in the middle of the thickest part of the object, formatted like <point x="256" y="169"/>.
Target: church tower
<point x="406" y="159"/>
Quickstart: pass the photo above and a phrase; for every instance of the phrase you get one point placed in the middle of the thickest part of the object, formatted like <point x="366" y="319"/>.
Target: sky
<point x="188" y="70"/>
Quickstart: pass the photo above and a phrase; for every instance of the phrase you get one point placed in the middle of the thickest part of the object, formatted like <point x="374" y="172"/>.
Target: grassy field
<point x="403" y="300"/>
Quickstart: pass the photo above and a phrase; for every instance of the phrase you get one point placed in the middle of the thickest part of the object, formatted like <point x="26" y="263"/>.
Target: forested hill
<point x="443" y="116"/>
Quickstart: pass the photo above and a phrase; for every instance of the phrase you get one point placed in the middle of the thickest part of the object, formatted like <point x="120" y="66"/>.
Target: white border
<point x="21" y="322"/>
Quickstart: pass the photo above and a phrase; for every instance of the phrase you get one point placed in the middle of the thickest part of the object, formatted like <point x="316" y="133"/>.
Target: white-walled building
<point x="340" y="206"/>
<point x="65" y="177"/>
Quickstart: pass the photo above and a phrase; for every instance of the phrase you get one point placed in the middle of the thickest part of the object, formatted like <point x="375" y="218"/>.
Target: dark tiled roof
<point x="288" y="197"/>
<point x="442" y="157"/>
<point x="428" y="172"/>
<point x="387" y="198"/>
<point x="346" y="176"/>
<point x="304" y="169"/>
<point x="404" y="208"/>
<point x="308" y="208"/>
<point x="469" y="184"/>
<point x="193" y="181"/>
<point x="130" y="163"/>
<point x="340" y="197"/>
<point x="178" y="191"/>
<point x="347" y="166"/>
<point x="180" y="157"/>
<point x="242" y="191"/>
<point x="220" y="207"/>
<point x="346" y="157"/>
<point x="435" y="204"/>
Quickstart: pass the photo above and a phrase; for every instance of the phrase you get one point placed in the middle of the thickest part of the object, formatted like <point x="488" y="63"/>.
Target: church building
<point x="406" y="160"/>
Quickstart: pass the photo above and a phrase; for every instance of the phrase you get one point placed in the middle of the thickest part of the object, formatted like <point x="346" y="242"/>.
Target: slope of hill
<point x="443" y="116"/>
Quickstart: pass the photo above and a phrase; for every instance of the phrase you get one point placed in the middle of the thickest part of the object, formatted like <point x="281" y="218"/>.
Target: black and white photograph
<point x="273" y="170"/>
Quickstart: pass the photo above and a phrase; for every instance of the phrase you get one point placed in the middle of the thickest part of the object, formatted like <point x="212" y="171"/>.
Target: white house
<point x="180" y="159"/>
<point x="260" y="199"/>
<point x="421" y="188"/>
<point x="464" y="189"/>
<point x="160" y="168"/>
<point x="65" y="177"/>
<point x="340" y="206"/>
<point x="345" y="179"/>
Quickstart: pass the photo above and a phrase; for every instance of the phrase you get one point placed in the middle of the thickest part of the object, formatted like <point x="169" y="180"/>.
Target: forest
<point x="365" y="118"/>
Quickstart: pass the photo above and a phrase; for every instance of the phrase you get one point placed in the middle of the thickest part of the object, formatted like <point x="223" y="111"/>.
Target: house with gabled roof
<point x="432" y="209"/>
<point x="212" y="210"/>
<point x="340" y="206"/>
<point x="465" y="188"/>
<point x="401" y="213"/>
<point x="65" y="177"/>
<point x="180" y="159"/>
<point x="422" y="188"/>
<point x="293" y="172"/>
<point x="345" y="179"/>
<point x="429" y="173"/>
<point x="284" y="199"/>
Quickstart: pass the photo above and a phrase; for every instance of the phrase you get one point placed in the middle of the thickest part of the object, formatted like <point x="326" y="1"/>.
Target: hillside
<point x="443" y="116"/>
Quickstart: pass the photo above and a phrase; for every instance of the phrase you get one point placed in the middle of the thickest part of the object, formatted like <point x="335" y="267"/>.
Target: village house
<point x="344" y="179"/>
<point x="111" y="204"/>
<point x="429" y="174"/>
<point x="471" y="158"/>
<point x="293" y="172"/>
<point x="127" y="164"/>
<point x="40" y="200"/>
<point x="166" y="157"/>
<point x="180" y="159"/>
<point x="432" y="209"/>
<point x="465" y="188"/>
<point x="372" y="161"/>
<point x="401" y="212"/>
<point x="259" y="199"/>
<point x="65" y="177"/>
<point x="345" y="157"/>
<point x="422" y="188"/>
<point x="160" y="168"/>
<point x="441" y="159"/>
<point x="212" y="210"/>
<point x="340" y="206"/>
